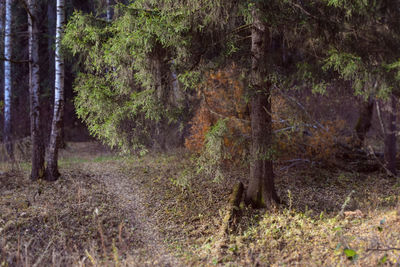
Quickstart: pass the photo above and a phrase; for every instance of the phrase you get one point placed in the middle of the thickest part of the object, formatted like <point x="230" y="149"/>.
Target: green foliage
<point x="213" y="154"/>
<point x="116" y="90"/>
<point x="350" y="254"/>
<point x="118" y="95"/>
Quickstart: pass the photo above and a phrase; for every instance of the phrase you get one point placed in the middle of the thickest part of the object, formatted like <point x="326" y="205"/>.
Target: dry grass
<point x="87" y="217"/>
<point x="313" y="228"/>
<point x="73" y="221"/>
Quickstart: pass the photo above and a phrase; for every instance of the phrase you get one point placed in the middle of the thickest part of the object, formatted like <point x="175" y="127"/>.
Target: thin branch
<point x="26" y="7"/>
<point x="294" y="162"/>
<point x="380" y="163"/>
<point x="378" y="111"/>
<point x="242" y="27"/>
<point x="304" y="11"/>
<point x="229" y="117"/>
<point x="294" y="127"/>
<point x="15" y="61"/>
<point x="301" y="106"/>
<point x="219" y="114"/>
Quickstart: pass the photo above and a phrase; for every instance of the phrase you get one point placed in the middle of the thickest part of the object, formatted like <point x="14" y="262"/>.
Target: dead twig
<point x="42" y="255"/>
<point x="378" y="112"/>
<point x="382" y="249"/>
<point x="381" y="163"/>
<point x="101" y="232"/>
<point x="294" y="162"/>
<point x="301" y="107"/>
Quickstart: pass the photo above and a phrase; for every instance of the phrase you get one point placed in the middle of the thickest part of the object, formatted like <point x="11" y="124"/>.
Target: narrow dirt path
<point x="152" y="249"/>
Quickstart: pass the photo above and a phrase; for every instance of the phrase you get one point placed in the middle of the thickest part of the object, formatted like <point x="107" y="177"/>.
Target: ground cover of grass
<point x="330" y="217"/>
<point x="65" y="223"/>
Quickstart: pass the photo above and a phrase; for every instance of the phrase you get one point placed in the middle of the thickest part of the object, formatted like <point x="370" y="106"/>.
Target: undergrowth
<point x="331" y="217"/>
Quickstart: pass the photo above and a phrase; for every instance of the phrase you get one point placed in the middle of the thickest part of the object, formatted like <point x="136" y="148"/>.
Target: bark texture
<point x="390" y="136"/>
<point x="364" y="121"/>
<point x="232" y="215"/>
<point x="109" y="10"/>
<point x="160" y="72"/>
<point x="7" y="81"/>
<point x="2" y="25"/>
<point x="261" y="190"/>
<point x="38" y="149"/>
<point x="52" y="172"/>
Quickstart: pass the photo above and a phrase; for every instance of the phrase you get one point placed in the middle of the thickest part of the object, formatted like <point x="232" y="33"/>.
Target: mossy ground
<point x="89" y="216"/>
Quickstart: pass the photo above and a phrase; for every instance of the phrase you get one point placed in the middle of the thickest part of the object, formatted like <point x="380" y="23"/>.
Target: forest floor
<point x="109" y="210"/>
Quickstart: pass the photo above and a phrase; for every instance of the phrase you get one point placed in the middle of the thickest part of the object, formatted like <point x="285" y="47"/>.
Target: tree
<point x="261" y="190"/>
<point x="109" y="10"/>
<point x="371" y="61"/>
<point x="390" y="135"/>
<point x="8" y="80"/>
<point x="38" y="148"/>
<point x="52" y="172"/>
<point x="364" y="121"/>
<point x="157" y="33"/>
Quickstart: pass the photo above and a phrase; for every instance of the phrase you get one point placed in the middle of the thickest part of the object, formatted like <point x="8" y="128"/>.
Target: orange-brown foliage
<point x="223" y="97"/>
<point x="201" y="124"/>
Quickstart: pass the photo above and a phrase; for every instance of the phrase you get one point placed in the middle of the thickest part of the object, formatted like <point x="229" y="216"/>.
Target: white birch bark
<point x="109" y="10"/>
<point x="7" y="80"/>
<point x="52" y="157"/>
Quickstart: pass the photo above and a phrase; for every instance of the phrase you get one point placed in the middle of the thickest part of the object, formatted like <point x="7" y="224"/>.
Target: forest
<point x="199" y="133"/>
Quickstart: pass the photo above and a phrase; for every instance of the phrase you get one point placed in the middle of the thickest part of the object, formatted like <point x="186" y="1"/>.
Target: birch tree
<point x="7" y="81"/>
<point x="2" y="20"/>
<point x="34" y="94"/>
<point x="52" y="173"/>
<point x="109" y="10"/>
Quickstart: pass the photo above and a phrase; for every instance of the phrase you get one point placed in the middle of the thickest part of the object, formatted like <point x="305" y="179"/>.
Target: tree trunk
<point x="261" y="190"/>
<point x="161" y="85"/>
<point x="8" y="82"/>
<point x="38" y="149"/>
<point x="52" y="173"/>
<point x="109" y="10"/>
<point x="52" y="27"/>
<point x="47" y="103"/>
<point x="2" y="25"/>
<point x="364" y="121"/>
<point x="2" y="20"/>
<point x="390" y="137"/>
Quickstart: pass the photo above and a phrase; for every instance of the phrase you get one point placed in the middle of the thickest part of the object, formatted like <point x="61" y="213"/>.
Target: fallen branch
<point x="301" y="107"/>
<point x="233" y="210"/>
<point x="382" y="249"/>
<point x="381" y="163"/>
<point x="294" y="162"/>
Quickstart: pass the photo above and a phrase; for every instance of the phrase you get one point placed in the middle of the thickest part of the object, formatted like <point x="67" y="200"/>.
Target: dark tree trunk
<point x="364" y="121"/>
<point x="261" y="190"/>
<point x="161" y="85"/>
<point x="51" y="30"/>
<point x="38" y="149"/>
<point x="390" y="136"/>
